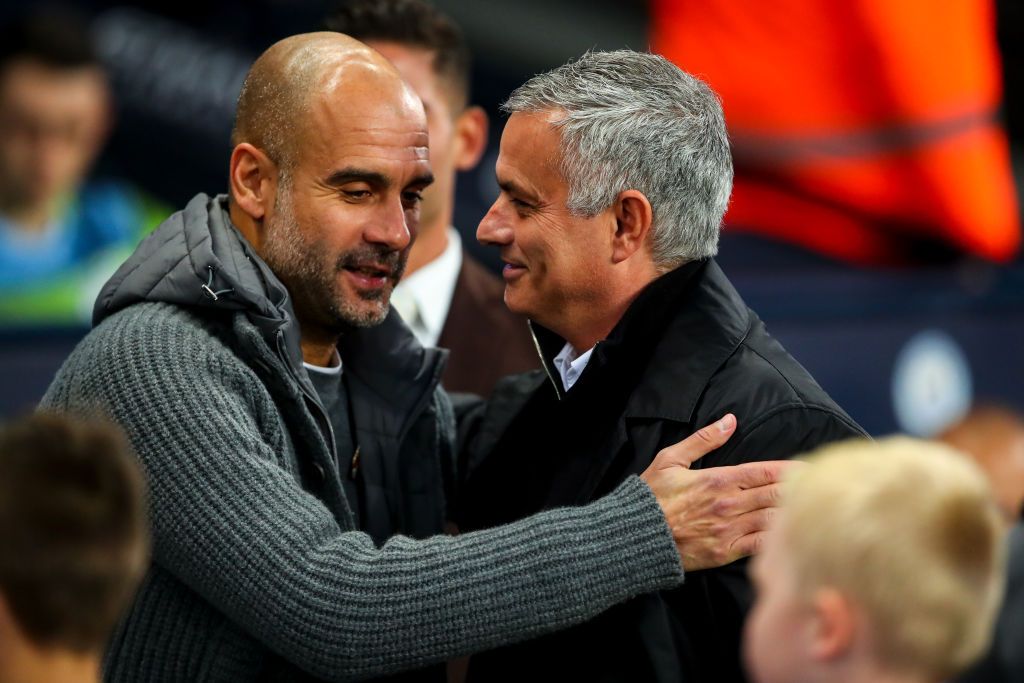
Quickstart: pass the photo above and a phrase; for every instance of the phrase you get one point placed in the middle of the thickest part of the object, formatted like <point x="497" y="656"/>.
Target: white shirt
<point x="423" y="298"/>
<point x="570" y="364"/>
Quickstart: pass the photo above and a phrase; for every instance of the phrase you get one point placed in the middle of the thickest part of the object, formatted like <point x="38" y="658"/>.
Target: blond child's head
<point x="886" y="560"/>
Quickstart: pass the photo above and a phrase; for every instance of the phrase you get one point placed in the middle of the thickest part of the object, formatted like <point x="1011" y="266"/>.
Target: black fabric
<point x="1004" y="662"/>
<point x="685" y="353"/>
<point x="330" y="387"/>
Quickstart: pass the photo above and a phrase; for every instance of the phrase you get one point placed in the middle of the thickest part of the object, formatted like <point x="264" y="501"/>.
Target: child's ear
<point x="834" y="625"/>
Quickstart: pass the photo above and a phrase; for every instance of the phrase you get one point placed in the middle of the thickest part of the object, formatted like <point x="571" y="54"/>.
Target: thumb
<point x="701" y="442"/>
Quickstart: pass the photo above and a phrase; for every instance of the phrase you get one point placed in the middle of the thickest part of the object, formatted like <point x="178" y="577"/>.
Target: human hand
<point x="717" y="515"/>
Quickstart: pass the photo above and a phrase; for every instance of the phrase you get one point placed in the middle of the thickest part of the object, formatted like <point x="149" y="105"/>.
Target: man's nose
<point x="494" y="229"/>
<point x="391" y="227"/>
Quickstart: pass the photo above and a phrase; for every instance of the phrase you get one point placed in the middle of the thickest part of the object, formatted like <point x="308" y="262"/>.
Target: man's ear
<point x="253" y="179"/>
<point x="835" y="625"/>
<point x="633" y="216"/>
<point x="470" y="138"/>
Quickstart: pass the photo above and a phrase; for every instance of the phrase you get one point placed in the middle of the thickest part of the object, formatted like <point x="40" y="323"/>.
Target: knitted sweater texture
<point x="255" y="575"/>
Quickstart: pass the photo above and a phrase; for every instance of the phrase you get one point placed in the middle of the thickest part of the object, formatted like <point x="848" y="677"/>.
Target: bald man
<point x="289" y="423"/>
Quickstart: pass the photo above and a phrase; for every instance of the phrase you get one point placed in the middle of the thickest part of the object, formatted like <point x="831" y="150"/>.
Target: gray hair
<point x="633" y="120"/>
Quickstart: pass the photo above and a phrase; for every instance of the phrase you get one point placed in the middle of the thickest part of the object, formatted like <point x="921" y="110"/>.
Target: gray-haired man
<point x="615" y="173"/>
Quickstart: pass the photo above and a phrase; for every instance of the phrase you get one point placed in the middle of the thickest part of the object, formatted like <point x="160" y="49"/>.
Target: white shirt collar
<point x="431" y="288"/>
<point x="570" y="364"/>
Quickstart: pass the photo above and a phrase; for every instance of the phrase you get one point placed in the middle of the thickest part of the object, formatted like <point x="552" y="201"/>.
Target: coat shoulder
<point x="780" y="409"/>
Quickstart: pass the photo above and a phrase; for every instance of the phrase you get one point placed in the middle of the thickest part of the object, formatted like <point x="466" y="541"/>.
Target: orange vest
<point x="859" y="127"/>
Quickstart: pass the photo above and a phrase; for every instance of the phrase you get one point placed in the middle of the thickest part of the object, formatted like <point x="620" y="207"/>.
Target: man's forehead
<point x="364" y="139"/>
<point x="397" y="111"/>
<point x="529" y="156"/>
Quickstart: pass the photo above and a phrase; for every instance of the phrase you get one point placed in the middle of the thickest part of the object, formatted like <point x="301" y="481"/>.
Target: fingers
<point x="753" y="522"/>
<point x="714" y="520"/>
<point x="758" y="498"/>
<point x="748" y="545"/>
<point x="700" y="443"/>
<point x="750" y="475"/>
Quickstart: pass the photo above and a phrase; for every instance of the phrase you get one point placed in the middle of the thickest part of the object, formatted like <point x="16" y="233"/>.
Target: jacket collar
<point x="197" y="258"/>
<point x="673" y="337"/>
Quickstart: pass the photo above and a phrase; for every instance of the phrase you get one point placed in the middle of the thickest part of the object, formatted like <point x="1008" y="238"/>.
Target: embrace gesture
<point x="717" y="515"/>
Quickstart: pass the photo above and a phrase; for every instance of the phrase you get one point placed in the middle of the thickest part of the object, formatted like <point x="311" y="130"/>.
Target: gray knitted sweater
<point x="254" y="574"/>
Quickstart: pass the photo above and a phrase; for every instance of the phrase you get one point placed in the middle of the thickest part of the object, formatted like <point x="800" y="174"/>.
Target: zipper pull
<point x="354" y="468"/>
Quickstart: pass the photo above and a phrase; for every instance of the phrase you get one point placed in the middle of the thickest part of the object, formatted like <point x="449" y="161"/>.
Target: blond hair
<point x="908" y="531"/>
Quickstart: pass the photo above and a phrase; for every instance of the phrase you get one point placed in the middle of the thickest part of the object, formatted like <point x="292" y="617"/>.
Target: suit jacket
<point x="486" y="340"/>
<point x="686" y="352"/>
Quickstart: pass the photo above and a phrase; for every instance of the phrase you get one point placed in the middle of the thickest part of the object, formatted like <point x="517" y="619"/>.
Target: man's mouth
<point x="512" y="269"/>
<point x="369" y="275"/>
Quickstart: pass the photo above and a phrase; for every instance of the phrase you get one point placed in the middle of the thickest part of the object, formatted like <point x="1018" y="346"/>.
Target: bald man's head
<point x="274" y="105"/>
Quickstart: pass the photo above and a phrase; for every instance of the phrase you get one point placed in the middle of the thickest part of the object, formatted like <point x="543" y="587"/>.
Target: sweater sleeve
<point x="237" y="528"/>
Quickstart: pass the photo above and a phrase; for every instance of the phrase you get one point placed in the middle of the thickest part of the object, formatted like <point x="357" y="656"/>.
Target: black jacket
<point x="686" y="352"/>
<point x="1004" y="662"/>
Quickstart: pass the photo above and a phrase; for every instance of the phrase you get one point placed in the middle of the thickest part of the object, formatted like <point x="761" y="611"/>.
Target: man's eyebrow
<point x="350" y="175"/>
<point x="510" y="187"/>
<point x="423" y="180"/>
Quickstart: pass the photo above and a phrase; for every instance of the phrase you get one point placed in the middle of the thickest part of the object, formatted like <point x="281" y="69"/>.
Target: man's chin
<point x="365" y="314"/>
<point x="514" y="302"/>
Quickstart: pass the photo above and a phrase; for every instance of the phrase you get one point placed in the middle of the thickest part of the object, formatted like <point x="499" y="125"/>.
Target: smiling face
<point x="344" y="215"/>
<point x="556" y="263"/>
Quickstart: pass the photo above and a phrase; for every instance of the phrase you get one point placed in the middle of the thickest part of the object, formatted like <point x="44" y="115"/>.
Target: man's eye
<point x="520" y="204"/>
<point x="357" y="194"/>
<point x="414" y="197"/>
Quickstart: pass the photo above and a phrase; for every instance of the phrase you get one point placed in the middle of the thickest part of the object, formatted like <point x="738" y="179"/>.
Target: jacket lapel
<point x="660" y="357"/>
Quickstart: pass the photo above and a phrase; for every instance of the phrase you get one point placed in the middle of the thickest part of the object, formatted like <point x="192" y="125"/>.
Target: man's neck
<point x="597" y="319"/>
<point x="318" y="349"/>
<point x="430" y="243"/>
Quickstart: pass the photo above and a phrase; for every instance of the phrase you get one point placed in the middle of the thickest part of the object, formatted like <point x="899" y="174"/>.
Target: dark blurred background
<point x="901" y="345"/>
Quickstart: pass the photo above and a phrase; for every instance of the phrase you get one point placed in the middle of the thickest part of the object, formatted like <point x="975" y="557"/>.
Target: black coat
<point x="686" y="352"/>
<point x="1004" y="662"/>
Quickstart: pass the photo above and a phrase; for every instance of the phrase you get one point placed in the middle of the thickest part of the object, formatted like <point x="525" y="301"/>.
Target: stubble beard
<point x="314" y="286"/>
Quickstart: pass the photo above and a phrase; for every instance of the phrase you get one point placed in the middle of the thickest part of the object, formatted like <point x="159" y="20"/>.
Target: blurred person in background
<point x="58" y="232"/>
<point x="297" y="446"/>
<point x="73" y="546"/>
<point x="866" y="131"/>
<point x="885" y="564"/>
<point x="447" y="298"/>
<point x="994" y="437"/>
<point x="614" y="173"/>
